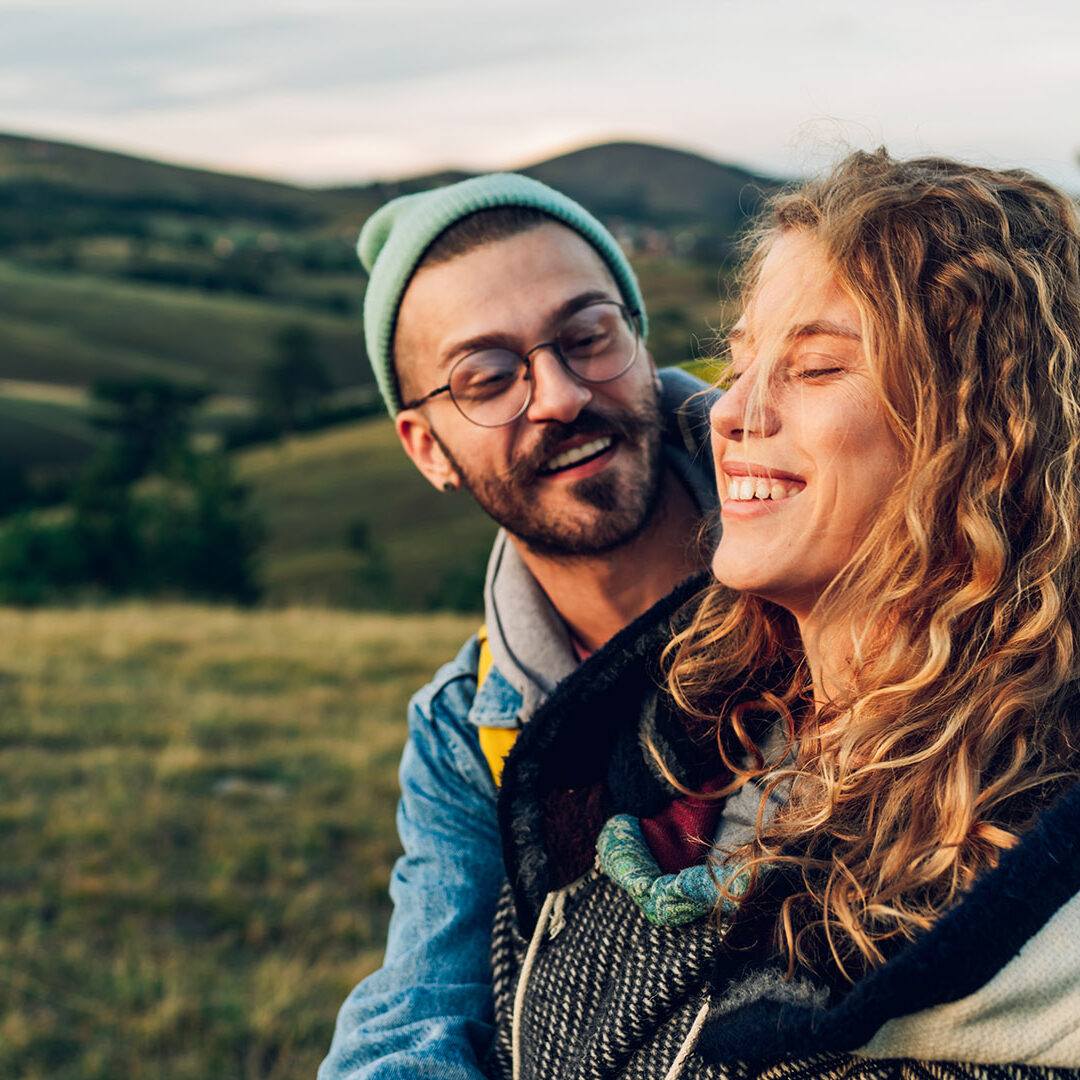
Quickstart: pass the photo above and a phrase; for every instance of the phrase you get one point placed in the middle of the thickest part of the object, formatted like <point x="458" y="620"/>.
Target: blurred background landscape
<point x="185" y="404"/>
<point x="223" y="580"/>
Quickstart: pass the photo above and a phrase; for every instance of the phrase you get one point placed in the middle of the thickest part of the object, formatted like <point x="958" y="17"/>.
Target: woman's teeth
<point x="759" y="487"/>
<point x="578" y="453"/>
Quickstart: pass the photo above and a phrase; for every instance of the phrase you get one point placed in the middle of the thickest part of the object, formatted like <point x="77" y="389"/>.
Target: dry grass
<point x="196" y="807"/>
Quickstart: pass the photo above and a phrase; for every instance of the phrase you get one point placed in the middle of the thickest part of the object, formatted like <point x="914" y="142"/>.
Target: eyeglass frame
<point x="633" y="317"/>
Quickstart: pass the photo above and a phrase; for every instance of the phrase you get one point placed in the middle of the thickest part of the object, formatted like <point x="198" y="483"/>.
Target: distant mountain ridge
<point x="627" y="180"/>
<point x="658" y="184"/>
<point x="113" y="177"/>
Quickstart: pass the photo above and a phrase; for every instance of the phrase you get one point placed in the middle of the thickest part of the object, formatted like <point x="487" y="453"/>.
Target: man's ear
<point x="427" y="455"/>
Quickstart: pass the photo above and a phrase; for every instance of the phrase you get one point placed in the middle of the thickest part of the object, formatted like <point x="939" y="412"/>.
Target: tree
<point x="148" y="515"/>
<point x="150" y="419"/>
<point x="197" y="535"/>
<point x="292" y="388"/>
<point x="14" y="490"/>
<point x="373" y="577"/>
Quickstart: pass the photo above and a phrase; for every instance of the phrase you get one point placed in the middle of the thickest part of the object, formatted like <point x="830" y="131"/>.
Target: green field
<point x="196" y="808"/>
<point x="73" y="328"/>
<point x="426" y="549"/>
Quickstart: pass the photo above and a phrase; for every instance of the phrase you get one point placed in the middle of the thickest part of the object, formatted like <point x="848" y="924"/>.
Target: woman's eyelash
<point x="814" y="373"/>
<point x="731" y="377"/>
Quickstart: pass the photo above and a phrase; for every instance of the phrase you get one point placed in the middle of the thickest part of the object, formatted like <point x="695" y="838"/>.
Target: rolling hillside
<point x="115" y="266"/>
<point x="72" y="328"/>
<point x="351" y="523"/>
<point x="36" y="172"/>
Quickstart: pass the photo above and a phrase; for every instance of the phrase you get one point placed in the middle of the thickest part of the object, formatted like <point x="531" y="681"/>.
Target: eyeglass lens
<point x="597" y="343"/>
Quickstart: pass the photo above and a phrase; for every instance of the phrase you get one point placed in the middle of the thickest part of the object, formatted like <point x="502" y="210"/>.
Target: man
<point x="506" y="330"/>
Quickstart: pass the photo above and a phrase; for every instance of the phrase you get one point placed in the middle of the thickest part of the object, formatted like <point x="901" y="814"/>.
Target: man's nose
<point x="744" y="411"/>
<point x="556" y="394"/>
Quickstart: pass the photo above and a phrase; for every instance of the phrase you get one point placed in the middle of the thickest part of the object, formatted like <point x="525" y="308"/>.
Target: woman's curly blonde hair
<point x="961" y="718"/>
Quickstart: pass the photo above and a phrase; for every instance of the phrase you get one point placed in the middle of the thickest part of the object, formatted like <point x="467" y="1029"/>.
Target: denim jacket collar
<point x="497" y="703"/>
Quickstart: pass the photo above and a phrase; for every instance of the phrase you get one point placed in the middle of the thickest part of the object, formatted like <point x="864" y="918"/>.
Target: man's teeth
<point x="759" y="487"/>
<point x="578" y="453"/>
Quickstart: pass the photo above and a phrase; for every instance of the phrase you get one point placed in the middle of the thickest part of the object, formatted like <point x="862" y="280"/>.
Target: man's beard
<point x="625" y="505"/>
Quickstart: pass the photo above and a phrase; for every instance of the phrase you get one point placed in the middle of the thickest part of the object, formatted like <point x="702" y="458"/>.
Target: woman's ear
<point x="423" y="448"/>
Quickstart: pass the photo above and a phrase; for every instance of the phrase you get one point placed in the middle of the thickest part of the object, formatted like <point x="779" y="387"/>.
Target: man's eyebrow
<point x="497" y="339"/>
<point x="576" y="303"/>
<point x="493" y="340"/>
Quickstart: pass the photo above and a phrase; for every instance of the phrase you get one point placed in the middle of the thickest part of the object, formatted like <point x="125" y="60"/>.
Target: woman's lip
<point x="731" y="509"/>
<point x="768" y="472"/>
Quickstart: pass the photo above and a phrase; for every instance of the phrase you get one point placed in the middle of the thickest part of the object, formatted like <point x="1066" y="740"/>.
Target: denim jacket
<point x="427" y="1012"/>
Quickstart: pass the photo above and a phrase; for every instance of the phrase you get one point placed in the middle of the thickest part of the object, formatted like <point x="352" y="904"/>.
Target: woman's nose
<point x="744" y="411"/>
<point x="556" y="394"/>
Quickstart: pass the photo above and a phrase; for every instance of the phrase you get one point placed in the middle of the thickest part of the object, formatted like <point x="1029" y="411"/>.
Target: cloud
<point x="336" y="90"/>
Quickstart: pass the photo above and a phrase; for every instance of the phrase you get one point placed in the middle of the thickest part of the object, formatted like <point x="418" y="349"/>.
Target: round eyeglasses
<point x="492" y="387"/>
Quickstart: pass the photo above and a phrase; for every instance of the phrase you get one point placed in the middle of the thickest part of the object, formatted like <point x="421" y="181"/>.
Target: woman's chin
<point x="795" y="598"/>
<point x="742" y="575"/>
<point x="740" y="583"/>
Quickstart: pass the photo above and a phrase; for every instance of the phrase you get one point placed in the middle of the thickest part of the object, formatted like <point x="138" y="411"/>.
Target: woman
<point x="845" y="840"/>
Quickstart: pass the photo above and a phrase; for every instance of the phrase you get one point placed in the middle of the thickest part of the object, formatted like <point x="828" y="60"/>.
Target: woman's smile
<point x="751" y="491"/>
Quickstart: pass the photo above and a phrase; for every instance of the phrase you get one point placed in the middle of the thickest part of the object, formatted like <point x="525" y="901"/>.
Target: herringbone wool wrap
<point x="612" y="997"/>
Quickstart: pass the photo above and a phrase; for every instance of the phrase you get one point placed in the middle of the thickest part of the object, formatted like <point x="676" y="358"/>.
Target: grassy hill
<point x="59" y="332"/>
<point x="419" y="548"/>
<point x="660" y="186"/>
<point x="197" y="812"/>
<point x="73" y="328"/>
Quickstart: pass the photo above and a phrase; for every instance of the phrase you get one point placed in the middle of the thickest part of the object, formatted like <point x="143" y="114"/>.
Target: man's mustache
<point x="626" y="426"/>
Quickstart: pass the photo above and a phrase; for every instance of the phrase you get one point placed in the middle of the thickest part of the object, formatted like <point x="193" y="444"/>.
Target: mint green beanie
<point x="394" y="239"/>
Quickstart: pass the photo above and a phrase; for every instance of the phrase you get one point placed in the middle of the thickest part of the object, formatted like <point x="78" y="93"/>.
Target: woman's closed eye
<point x="729" y="378"/>
<point x="810" y="365"/>
<point x="818" y="372"/>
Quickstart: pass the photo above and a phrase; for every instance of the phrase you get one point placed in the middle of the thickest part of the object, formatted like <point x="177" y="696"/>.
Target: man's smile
<point x="577" y="455"/>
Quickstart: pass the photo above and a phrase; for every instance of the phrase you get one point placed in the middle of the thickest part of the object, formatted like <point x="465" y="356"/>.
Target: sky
<point x="340" y="91"/>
